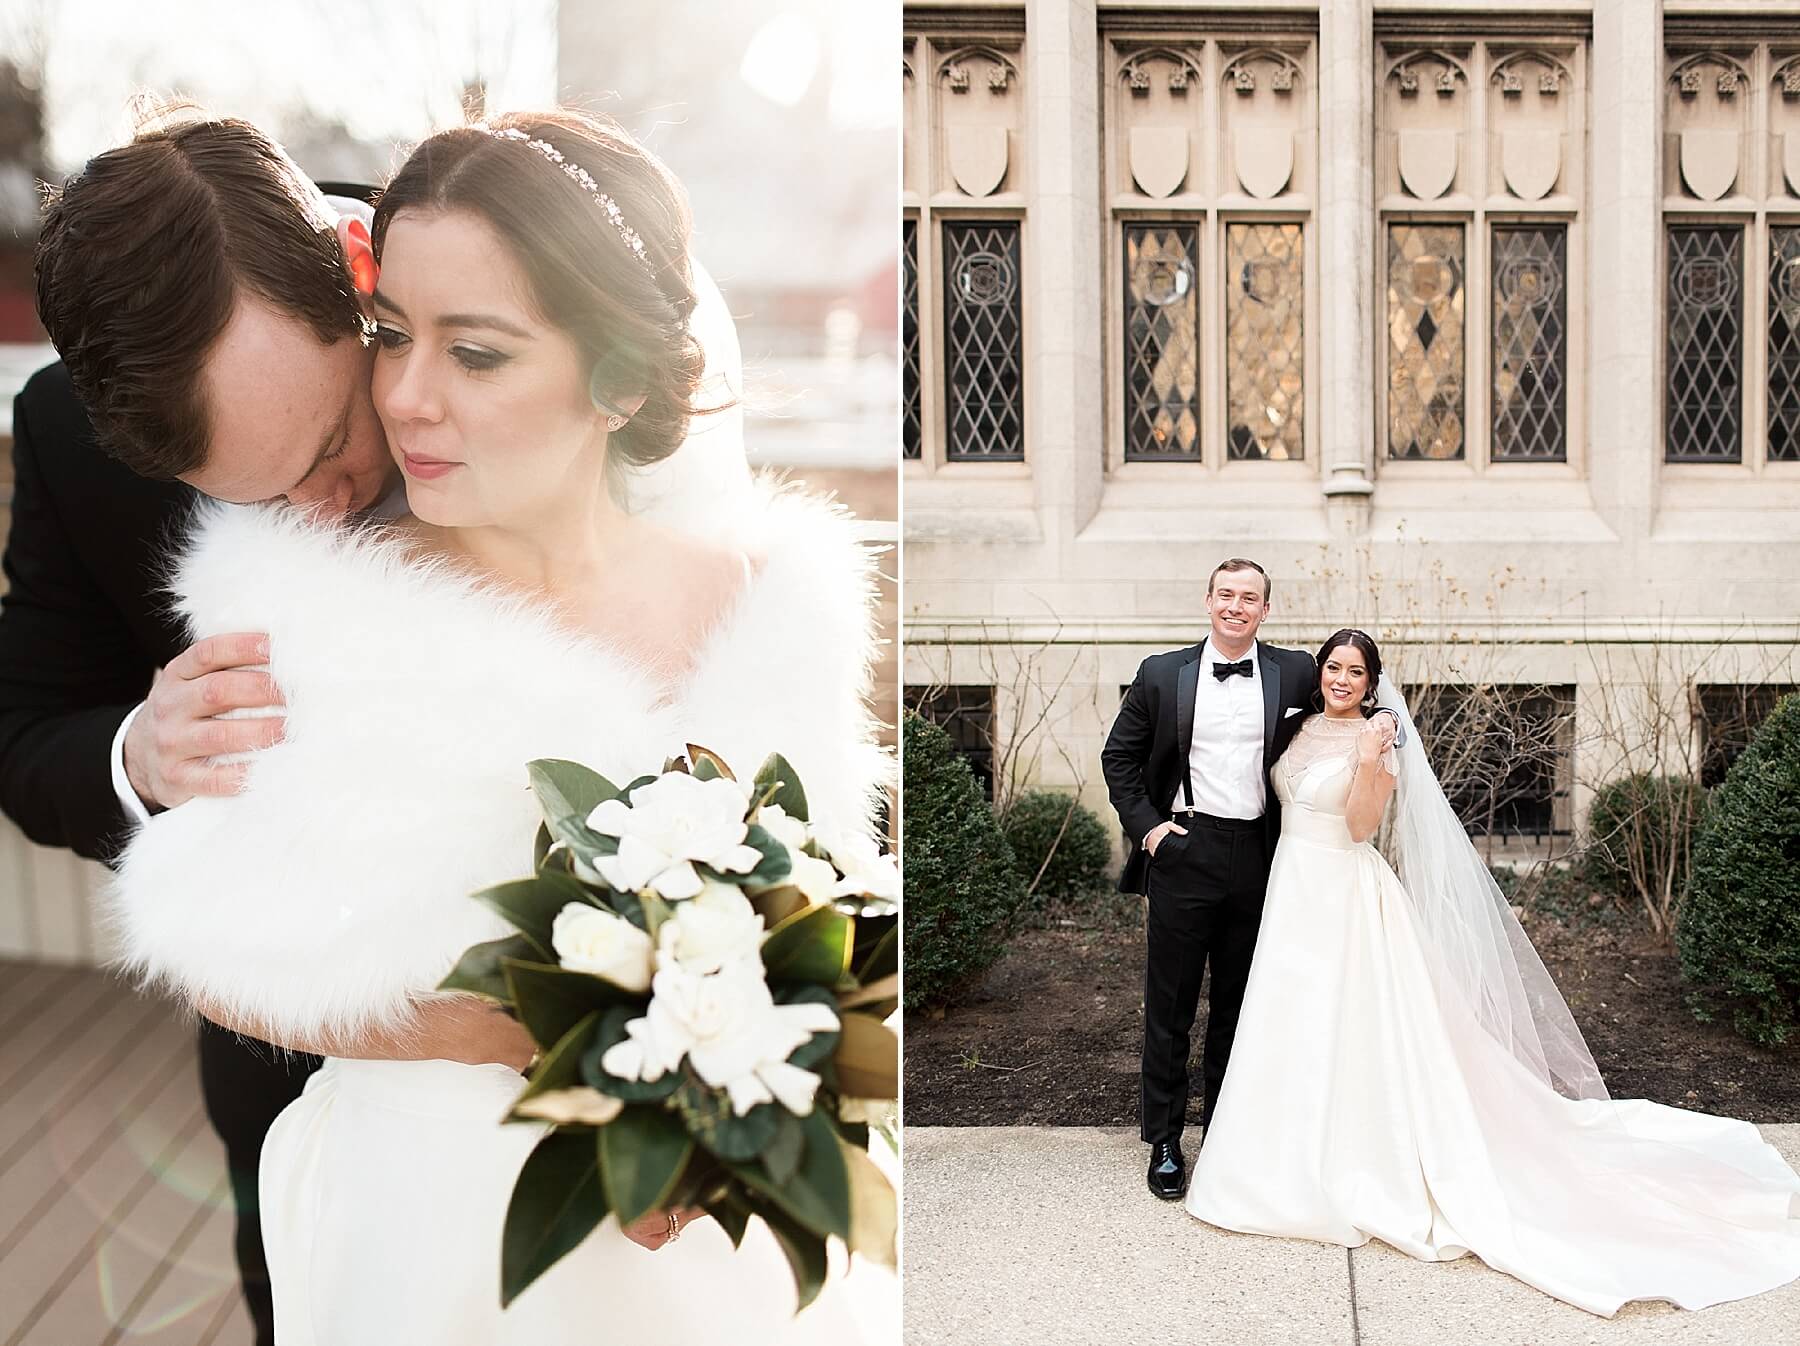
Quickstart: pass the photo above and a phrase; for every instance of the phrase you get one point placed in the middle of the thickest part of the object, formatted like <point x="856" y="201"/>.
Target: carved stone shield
<point x="977" y="157"/>
<point x="1530" y="160"/>
<point x="1159" y="158"/>
<point x="1709" y="162"/>
<point x="1427" y="162"/>
<point x="1264" y="157"/>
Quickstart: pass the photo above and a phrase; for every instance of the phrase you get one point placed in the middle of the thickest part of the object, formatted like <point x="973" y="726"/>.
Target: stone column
<point x="1624" y="431"/>
<point x="1347" y="300"/>
<point x="1064" y="304"/>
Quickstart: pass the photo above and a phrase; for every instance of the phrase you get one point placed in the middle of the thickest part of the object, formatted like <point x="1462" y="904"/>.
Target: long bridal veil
<point x="1476" y="947"/>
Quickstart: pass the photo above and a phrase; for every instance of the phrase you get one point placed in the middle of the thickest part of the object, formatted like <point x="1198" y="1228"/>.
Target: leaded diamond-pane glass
<point x="1530" y="344"/>
<point x="1706" y="344"/>
<point x="1425" y="340"/>
<point x="1265" y="298"/>
<point x="909" y="338"/>
<point x="1162" y="343"/>
<point x="1784" y="344"/>
<point x="985" y="402"/>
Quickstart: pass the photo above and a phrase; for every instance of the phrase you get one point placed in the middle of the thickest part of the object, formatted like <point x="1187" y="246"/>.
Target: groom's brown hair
<point x="143" y="255"/>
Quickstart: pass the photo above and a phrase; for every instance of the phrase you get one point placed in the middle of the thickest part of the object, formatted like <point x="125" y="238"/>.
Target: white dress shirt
<point x="1226" y="759"/>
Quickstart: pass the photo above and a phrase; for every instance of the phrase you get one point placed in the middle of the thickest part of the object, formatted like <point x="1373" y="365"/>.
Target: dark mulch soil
<point x="1051" y="1035"/>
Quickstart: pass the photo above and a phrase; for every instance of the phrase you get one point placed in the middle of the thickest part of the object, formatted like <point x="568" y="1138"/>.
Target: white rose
<point x="587" y="939"/>
<point x="669" y="824"/>
<point x="715" y="928"/>
<point x="867" y="872"/>
<point x="783" y="826"/>
<point x="730" y="1030"/>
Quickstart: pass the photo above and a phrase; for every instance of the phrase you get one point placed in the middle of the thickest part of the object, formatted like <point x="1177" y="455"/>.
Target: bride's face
<point x="1344" y="680"/>
<point x="485" y="404"/>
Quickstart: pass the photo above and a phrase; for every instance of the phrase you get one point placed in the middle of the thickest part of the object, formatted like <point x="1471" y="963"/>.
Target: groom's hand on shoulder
<point x="172" y="749"/>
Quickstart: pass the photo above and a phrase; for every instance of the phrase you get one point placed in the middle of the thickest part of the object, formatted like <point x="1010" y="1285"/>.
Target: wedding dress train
<point x="1366" y="1100"/>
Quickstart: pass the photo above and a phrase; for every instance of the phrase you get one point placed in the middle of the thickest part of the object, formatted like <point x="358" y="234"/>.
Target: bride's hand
<point x="1377" y="737"/>
<point x="652" y="1231"/>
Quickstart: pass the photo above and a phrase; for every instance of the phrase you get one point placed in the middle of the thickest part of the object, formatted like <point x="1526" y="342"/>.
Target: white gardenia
<point x="816" y="879"/>
<point x="783" y="826"/>
<point x="867" y="872"/>
<point x="730" y="1030"/>
<point x="587" y="939"/>
<point x="714" y="929"/>
<point x="667" y="826"/>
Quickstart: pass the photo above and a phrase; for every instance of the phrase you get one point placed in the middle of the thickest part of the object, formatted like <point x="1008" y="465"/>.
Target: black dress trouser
<point x="1205" y="893"/>
<point x="246" y="1083"/>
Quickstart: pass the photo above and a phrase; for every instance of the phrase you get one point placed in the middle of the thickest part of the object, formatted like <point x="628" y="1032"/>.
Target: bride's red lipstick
<point x="425" y="469"/>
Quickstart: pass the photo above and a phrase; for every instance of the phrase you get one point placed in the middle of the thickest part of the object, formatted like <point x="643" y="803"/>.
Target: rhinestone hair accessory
<point x="586" y="180"/>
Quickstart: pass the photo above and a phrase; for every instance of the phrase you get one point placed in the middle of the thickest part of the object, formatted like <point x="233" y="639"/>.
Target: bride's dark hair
<point x="1364" y="644"/>
<point x="629" y="319"/>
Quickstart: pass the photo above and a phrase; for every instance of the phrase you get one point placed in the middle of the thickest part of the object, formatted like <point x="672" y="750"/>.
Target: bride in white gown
<point x="533" y="321"/>
<point x="1405" y="1070"/>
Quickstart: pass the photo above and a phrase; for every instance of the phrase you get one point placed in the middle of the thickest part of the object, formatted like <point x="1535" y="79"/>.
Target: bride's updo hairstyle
<point x="1364" y="644"/>
<point x="627" y="311"/>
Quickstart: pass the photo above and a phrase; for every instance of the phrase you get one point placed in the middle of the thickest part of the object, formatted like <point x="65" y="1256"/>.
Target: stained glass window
<point x="1265" y="298"/>
<point x="1530" y="343"/>
<point x="1784" y="344"/>
<point x="1425" y="340"/>
<point x="910" y="436"/>
<point x="1705" y="350"/>
<point x="985" y="399"/>
<point x="1162" y="343"/>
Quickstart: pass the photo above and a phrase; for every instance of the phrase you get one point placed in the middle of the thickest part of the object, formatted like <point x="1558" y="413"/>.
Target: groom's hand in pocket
<point x="173" y="746"/>
<point x="1154" y="837"/>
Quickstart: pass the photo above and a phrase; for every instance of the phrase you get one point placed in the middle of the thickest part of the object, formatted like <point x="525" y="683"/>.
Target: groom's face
<point x="290" y="417"/>
<point x="1237" y="604"/>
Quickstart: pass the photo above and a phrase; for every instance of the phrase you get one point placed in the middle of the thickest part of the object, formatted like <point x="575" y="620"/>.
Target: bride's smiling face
<point x="485" y="404"/>
<point x="1344" y="680"/>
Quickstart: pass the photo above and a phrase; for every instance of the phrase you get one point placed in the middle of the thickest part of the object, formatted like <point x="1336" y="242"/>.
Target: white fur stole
<point x="336" y="887"/>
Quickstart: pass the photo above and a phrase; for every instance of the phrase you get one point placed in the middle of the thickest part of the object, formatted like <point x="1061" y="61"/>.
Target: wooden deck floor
<point x="115" y="1219"/>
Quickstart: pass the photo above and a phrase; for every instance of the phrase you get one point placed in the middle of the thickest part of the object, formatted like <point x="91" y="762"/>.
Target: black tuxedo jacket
<point x="1147" y="750"/>
<point x="84" y="622"/>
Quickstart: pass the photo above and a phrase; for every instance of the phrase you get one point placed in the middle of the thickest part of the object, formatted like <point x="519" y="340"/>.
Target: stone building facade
<point x="1478" y="325"/>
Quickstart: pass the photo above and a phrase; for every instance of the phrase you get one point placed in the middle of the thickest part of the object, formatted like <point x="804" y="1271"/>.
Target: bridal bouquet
<point x="706" y="976"/>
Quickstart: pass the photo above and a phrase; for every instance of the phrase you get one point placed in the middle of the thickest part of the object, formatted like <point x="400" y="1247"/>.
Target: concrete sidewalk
<point x="1047" y="1236"/>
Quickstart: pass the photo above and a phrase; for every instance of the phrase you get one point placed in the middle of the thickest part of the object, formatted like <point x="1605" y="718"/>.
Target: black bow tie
<point x="1223" y="671"/>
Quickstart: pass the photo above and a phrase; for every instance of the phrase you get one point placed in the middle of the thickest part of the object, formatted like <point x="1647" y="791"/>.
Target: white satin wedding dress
<point x="1364" y="1100"/>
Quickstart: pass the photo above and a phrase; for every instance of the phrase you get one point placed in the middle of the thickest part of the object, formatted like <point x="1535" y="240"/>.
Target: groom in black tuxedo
<point x="1187" y="768"/>
<point x="213" y="341"/>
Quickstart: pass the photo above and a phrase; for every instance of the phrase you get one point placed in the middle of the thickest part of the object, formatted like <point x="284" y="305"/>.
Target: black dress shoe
<point x="1168" y="1171"/>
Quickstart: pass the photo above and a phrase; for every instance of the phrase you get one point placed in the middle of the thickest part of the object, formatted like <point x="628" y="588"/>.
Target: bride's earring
<point x="614" y="424"/>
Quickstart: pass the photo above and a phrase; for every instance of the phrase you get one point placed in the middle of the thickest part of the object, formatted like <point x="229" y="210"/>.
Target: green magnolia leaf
<point x="708" y="765"/>
<point x="818" y="1195"/>
<point x="551" y="1000"/>
<point x="540" y="847"/>
<point x="561" y="1066"/>
<point x="770" y="872"/>
<point x="709" y="1116"/>
<point x="642" y="1153"/>
<point x="479" y="970"/>
<point x="820" y="1046"/>
<point x="782" y="1155"/>
<point x="733" y="1218"/>
<point x="867" y="1061"/>
<point x="532" y="904"/>
<point x="568" y="789"/>
<point x="805" y="1254"/>
<point x="611" y="1031"/>
<point x="809" y="946"/>
<point x="778" y="774"/>
<point x="555" y="1204"/>
<point x="877" y="951"/>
